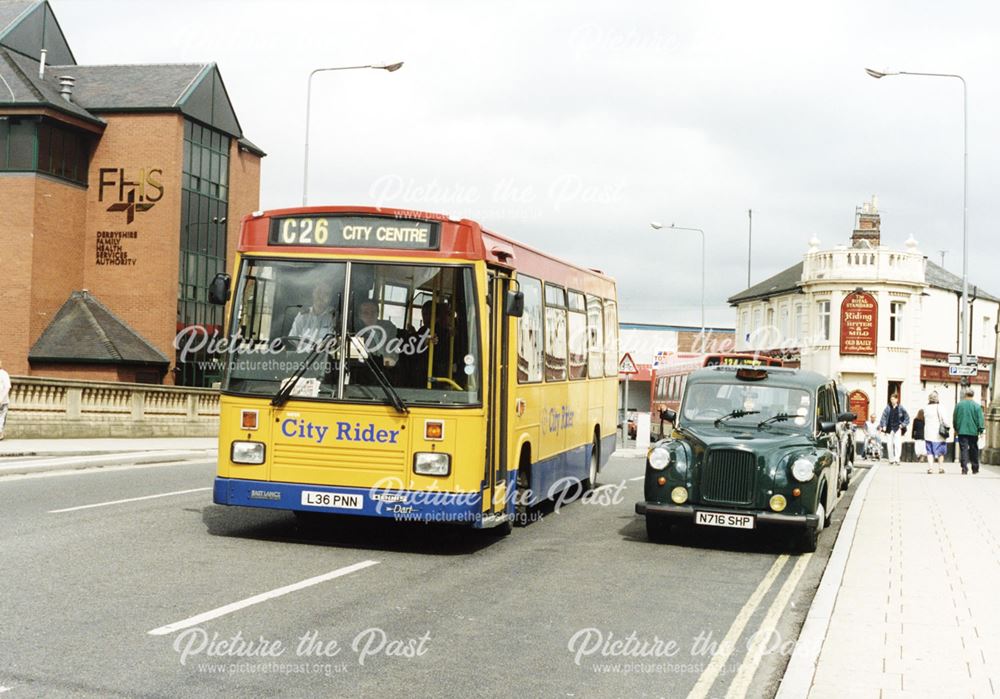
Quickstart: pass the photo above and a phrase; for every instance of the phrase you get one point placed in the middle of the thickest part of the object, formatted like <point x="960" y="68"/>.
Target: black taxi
<point x="751" y="448"/>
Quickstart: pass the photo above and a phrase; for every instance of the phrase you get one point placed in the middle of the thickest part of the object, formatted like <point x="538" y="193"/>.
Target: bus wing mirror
<point x="668" y="415"/>
<point x="218" y="290"/>
<point x="514" y="304"/>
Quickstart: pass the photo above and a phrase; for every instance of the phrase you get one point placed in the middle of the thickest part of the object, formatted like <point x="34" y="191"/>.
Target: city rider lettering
<point x="304" y="430"/>
<point x="355" y="433"/>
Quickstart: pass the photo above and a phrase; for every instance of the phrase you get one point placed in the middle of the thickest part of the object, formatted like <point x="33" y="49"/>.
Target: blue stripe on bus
<point x="404" y="505"/>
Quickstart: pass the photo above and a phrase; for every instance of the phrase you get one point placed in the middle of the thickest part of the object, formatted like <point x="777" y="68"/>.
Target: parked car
<point x="753" y="448"/>
<point x="845" y="433"/>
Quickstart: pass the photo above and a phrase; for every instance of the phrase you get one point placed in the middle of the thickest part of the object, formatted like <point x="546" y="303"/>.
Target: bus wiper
<point x="780" y="417"/>
<point x="380" y="377"/>
<point x="281" y="397"/>
<point x="735" y="413"/>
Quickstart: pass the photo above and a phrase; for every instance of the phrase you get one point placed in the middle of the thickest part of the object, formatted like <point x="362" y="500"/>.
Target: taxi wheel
<point x="657" y="529"/>
<point x="810" y="537"/>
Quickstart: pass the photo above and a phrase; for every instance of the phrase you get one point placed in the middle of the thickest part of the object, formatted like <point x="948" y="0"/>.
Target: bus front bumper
<point x="403" y="505"/>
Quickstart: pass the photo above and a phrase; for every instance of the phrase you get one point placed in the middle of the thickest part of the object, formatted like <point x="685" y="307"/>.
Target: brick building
<point x="121" y="191"/>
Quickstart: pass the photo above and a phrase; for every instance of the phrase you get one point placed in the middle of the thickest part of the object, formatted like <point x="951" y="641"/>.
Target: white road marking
<point x="728" y="644"/>
<point x="638" y="478"/>
<point x="5" y="689"/>
<point x="764" y="635"/>
<point x="257" y="599"/>
<point x="119" y="502"/>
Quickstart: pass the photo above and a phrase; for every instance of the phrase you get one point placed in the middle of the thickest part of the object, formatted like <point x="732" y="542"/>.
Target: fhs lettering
<point x="131" y="196"/>
<point x="346" y="432"/>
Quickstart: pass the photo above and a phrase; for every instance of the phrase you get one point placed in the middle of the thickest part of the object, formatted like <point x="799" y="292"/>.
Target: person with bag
<point x="936" y="433"/>
<point x="4" y="397"/>
<point x="894" y="422"/>
<point x="968" y="422"/>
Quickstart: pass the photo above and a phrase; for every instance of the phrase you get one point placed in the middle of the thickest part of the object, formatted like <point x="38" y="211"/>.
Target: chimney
<point x="66" y="87"/>
<point x="867" y="225"/>
<point x="41" y="65"/>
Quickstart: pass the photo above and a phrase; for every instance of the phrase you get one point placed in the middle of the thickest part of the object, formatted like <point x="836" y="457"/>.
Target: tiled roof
<point x="85" y="331"/>
<point x="782" y="282"/>
<point x="24" y="87"/>
<point x="159" y="87"/>
<point x="11" y="10"/>
<point x="939" y="277"/>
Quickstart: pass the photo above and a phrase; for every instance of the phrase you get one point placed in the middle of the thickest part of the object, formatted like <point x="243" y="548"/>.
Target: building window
<point x="745" y="324"/>
<point x="987" y="329"/>
<point x="41" y="145"/>
<point x="756" y="320"/>
<point x="800" y="322"/>
<point x="823" y="318"/>
<point x="896" y="321"/>
<point x="204" y="208"/>
<point x="783" y="322"/>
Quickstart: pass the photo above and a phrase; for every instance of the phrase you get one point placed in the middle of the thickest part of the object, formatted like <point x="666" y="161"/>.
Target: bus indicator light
<point x="248" y="419"/>
<point x="434" y="430"/>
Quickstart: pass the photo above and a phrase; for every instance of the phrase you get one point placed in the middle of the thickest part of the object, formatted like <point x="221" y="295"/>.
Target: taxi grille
<point x="727" y="477"/>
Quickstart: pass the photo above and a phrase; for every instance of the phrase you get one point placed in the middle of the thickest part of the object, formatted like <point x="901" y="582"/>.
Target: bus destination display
<point x="355" y="232"/>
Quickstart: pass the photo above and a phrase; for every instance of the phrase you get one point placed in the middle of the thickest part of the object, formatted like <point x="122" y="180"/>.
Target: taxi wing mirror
<point x="514" y="304"/>
<point x="218" y="289"/>
<point x="668" y="415"/>
<point x="847" y="417"/>
<point x="827" y="427"/>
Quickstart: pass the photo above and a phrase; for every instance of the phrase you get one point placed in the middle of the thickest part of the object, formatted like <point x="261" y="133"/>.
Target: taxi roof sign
<point x="627" y="366"/>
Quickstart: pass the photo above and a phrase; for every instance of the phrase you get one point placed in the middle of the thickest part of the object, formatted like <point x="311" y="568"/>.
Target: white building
<point x="878" y="319"/>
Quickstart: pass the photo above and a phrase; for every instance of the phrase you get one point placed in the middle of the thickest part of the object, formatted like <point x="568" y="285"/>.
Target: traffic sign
<point x="962" y="370"/>
<point x="954" y="359"/>
<point x="970" y="359"/>
<point x="627" y="366"/>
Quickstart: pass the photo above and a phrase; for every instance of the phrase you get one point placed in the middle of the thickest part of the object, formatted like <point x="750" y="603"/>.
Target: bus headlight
<point x="431" y="463"/>
<point x="659" y="458"/>
<point x="251" y="453"/>
<point x="802" y="469"/>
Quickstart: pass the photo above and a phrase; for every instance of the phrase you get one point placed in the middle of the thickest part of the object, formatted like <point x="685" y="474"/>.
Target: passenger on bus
<point x="377" y="334"/>
<point x="320" y="319"/>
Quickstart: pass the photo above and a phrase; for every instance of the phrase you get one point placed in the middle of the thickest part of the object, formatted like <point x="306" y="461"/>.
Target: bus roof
<point x="459" y="239"/>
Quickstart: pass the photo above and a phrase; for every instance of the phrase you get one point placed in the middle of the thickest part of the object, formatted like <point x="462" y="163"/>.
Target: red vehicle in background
<point x="668" y="383"/>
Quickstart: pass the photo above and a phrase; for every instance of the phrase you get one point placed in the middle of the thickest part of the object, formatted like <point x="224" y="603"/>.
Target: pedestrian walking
<point x="919" y="449"/>
<point x="894" y="422"/>
<point x="968" y="423"/>
<point x="4" y="397"/>
<point x="936" y="433"/>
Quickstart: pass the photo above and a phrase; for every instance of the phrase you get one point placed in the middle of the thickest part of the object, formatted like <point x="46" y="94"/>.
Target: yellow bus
<point x="411" y="366"/>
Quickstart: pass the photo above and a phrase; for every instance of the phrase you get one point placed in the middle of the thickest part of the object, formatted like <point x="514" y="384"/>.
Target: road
<point x="175" y="596"/>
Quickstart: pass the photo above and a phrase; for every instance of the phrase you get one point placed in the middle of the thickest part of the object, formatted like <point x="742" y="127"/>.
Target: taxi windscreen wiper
<point x="281" y="397"/>
<point x="735" y="413"/>
<point x="380" y="377"/>
<point x="780" y="417"/>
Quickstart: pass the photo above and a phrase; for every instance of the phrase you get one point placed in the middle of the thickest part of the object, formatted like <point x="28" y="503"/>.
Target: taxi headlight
<point x="251" y="453"/>
<point x="778" y="502"/>
<point x="802" y="469"/>
<point x="659" y="458"/>
<point x="431" y="463"/>
<point x="679" y="495"/>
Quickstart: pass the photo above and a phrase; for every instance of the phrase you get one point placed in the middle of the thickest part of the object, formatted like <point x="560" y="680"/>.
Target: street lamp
<point x="657" y="226"/>
<point x="390" y="68"/>
<point x="964" y="338"/>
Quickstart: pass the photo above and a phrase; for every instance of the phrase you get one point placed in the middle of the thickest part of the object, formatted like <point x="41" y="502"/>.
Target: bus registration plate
<point x="724" y="519"/>
<point x="341" y="500"/>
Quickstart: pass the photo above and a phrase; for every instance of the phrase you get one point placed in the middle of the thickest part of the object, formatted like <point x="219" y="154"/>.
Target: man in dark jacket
<point x="894" y="422"/>
<point x="968" y="424"/>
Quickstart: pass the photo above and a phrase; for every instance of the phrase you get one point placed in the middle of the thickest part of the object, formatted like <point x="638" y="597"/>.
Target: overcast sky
<point x="571" y="126"/>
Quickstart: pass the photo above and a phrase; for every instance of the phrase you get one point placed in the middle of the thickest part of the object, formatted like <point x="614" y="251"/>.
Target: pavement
<point x="909" y="605"/>
<point x="22" y="456"/>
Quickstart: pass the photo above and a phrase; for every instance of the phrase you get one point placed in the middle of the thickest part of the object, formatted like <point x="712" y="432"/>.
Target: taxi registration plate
<point x="724" y="519"/>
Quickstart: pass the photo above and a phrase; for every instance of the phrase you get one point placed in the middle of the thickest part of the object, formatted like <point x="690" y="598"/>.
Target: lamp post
<point x="657" y="226"/>
<point x="964" y="340"/>
<point x="391" y="68"/>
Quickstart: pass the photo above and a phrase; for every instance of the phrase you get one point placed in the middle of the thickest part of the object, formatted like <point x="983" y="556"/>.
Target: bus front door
<point x="498" y="349"/>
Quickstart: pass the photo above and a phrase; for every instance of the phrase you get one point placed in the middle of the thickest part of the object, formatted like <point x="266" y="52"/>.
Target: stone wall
<point x="991" y="455"/>
<point x="42" y="408"/>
